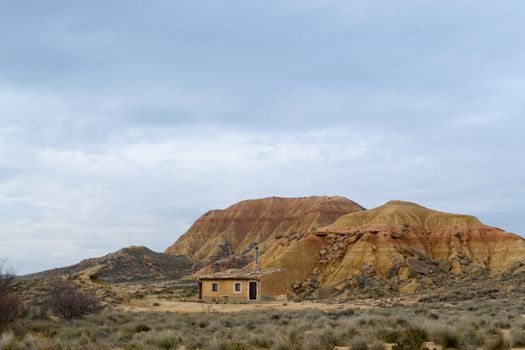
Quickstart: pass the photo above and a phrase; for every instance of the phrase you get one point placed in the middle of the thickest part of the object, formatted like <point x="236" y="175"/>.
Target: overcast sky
<point x="123" y="121"/>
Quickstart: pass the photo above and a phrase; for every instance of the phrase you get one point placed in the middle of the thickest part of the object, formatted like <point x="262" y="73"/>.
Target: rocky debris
<point x="397" y="234"/>
<point x="306" y="289"/>
<point x="445" y="265"/>
<point x="294" y="236"/>
<point x="408" y="288"/>
<point x="237" y="262"/>
<point x="222" y="250"/>
<point x="421" y="267"/>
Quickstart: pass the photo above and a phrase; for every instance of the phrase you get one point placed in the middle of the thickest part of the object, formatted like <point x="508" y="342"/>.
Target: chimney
<point x="256" y="258"/>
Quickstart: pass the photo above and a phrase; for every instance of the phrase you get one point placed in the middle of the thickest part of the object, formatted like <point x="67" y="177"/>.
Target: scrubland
<point x="65" y="316"/>
<point x="484" y="323"/>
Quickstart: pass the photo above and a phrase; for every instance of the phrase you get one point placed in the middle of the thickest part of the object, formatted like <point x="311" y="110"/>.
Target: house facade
<point x="236" y="285"/>
<point x="235" y="289"/>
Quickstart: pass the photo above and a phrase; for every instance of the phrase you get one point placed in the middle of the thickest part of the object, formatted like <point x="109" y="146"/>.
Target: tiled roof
<point x="238" y="274"/>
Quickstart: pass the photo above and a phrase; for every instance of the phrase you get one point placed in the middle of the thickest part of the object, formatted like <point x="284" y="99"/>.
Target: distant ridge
<point x="133" y="263"/>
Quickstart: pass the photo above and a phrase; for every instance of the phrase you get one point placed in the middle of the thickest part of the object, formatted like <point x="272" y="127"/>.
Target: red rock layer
<point x="222" y="233"/>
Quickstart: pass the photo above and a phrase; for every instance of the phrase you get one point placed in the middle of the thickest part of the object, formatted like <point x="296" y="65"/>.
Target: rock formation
<point x="331" y="244"/>
<point x="228" y="232"/>
<point x="397" y="245"/>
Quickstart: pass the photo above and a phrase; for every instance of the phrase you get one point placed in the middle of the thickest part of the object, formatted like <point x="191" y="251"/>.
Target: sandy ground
<point x="177" y="306"/>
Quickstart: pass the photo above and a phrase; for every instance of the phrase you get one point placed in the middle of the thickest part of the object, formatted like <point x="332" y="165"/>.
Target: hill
<point x="134" y="263"/>
<point x="398" y="247"/>
<point x="228" y="232"/>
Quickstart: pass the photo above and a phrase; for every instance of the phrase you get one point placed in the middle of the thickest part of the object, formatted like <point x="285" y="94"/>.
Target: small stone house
<point x="236" y="285"/>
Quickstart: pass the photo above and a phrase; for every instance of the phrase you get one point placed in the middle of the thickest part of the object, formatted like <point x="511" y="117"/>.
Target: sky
<point x="121" y="122"/>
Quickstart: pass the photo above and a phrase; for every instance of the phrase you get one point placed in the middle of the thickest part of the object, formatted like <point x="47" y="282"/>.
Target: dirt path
<point x="174" y="306"/>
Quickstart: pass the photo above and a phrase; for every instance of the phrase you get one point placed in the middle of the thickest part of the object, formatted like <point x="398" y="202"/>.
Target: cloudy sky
<point x="122" y="121"/>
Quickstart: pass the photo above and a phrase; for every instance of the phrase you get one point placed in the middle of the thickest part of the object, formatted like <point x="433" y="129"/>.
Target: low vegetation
<point x="10" y="304"/>
<point x="70" y="302"/>
<point x="491" y="324"/>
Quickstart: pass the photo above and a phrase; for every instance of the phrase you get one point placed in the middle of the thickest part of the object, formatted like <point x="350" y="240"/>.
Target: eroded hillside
<point x="399" y="245"/>
<point x="224" y="233"/>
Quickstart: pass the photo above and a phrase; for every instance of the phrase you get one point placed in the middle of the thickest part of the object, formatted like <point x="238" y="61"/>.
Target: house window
<point x="214" y="287"/>
<point x="237" y="287"/>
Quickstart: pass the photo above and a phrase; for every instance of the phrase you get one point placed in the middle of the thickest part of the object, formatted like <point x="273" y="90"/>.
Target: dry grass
<point x="470" y="325"/>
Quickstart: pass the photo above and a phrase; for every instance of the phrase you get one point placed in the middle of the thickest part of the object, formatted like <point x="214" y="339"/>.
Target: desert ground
<point x="156" y="322"/>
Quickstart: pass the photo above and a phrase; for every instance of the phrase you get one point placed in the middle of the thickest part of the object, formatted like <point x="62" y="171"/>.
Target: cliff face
<point x="224" y="233"/>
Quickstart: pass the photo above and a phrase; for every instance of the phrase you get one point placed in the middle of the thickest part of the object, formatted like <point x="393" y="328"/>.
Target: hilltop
<point x="223" y="233"/>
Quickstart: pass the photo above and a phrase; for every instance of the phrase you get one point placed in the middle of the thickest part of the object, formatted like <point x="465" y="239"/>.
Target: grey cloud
<point x="120" y="123"/>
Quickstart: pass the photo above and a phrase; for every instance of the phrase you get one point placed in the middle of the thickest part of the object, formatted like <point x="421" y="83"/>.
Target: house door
<point x="253" y="291"/>
<point x="200" y="290"/>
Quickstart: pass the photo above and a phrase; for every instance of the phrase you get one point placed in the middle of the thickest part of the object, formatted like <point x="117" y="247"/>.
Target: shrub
<point x="358" y="343"/>
<point x="433" y="316"/>
<point x="377" y="346"/>
<point x="69" y="302"/>
<point x="518" y="337"/>
<point x="448" y="339"/>
<point x="168" y="342"/>
<point x="261" y="343"/>
<point x="231" y="345"/>
<point x="7" y="341"/>
<point x="411" y="339"/>
<point x="498" y="344"/>
<point x="9" y="303"/>
<point x="503" y="324"/>
<point x="142" y="328"/>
